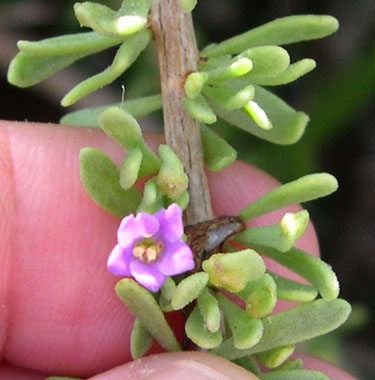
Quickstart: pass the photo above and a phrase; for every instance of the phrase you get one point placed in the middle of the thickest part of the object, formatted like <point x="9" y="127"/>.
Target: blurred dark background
<point x="340" y="139"/>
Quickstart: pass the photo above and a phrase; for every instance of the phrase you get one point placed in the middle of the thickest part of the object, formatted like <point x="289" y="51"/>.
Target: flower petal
<point x="118" y="261"/>
<point x="133" y="228"/>
<point x="177" y="258"/>
<point x="147" y="275"/>
<point x="171" y="225"/>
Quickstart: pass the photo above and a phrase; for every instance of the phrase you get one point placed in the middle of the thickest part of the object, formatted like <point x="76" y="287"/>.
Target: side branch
<point x="178" y="56"/>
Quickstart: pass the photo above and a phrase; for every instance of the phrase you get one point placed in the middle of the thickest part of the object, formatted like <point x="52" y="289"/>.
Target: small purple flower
<point x="150" y="248"/>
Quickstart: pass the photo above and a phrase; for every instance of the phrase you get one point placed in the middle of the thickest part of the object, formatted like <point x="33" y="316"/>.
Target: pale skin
<point x="59" y="313"/>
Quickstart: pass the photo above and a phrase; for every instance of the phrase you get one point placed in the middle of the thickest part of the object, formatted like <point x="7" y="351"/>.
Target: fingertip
<point x="175" y="366"/>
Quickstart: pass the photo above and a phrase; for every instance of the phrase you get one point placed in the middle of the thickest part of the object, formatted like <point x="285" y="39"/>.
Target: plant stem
<point x="178" y="56"/>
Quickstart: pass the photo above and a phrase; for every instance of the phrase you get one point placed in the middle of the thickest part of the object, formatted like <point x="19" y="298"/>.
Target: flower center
<point x="147" y="251"/>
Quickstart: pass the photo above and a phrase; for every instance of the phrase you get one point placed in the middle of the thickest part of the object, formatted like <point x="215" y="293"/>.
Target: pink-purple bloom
<point x="150" y="248"/>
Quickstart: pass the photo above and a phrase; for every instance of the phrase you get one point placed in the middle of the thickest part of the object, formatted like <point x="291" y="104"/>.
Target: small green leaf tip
<point x="108" y="22"/>
<point x="101" y="180"/>
<point x="306" y="188"/>
<point x="258" y="115"/>
<point x="194" y="84"/>
<point x="292" y="73"/>
<point x="260" y="296"/>
<point x="188" y="5"/>
<point x="268" y="62"/>
<point x="275" y="357"/>
<point x="122" y="127"/>
<point x="209" y="310"/>
<point x="293" y="291"/>
<point x="188" y="290"/>
<point x="232" y="271"/>
<point x="171" y="177"/>
<point x="199" y="334"/>
<point x="217" y="152"/>
<point x="281" y="236"/>
<point x="199" y="110"/>
<point x="129" y="169"/>
<point x="143" y="306"/>
<point x="140" y="340"/>
<point x="246" y="331"/>
<point x="282" y="31"/>
<point x="234" y="69"/>
<point x="152" y="200"/>
<point x="229" y="98"/>
<point x="25" y="70"/>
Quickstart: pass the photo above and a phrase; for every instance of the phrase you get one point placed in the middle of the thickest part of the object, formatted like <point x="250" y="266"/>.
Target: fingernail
<point x="186" y="370"/>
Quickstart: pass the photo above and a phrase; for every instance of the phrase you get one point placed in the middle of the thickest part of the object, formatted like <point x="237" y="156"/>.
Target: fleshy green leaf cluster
<point x="231" y="73"/>
<point x="127" y="27"/>
<point x="216" y="322"/>
<point x="229" y="85"/>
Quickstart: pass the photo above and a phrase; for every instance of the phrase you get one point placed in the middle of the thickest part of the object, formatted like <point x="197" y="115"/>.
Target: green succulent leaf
<point x="194" y="84"/>
<point x="79" y="43"/>
<point x="182" y="201"/>
<point x="288" y="124"/>
<point x="140" y="340"/>
<point x="124" y="129"/>
<point x="143" y="306"/>
<point x="282" y="31"/>
<point x="258" y="115"/>
<point x="100" y="178"/>
<point x="171" y="177"/>
<point x="234" y="69"/>
<point x="138" y="108"/>
<point x="259" y="296"/>
<point x="290" y="290"/>
<point x="281" y="236"/>
<point x="217" y="152"/>
<point x="197" y="332"/>
<point x="209" y="310"/>
<point x="232" y="271"/>
<point x="275" y="357"/>
<point x="25" y="70"/>
<point x="188" y="290"/>
<point x="127" y="53"/>
<point x="246" y="331"/>
<point x="291" y="326"/>
<point x="168" y="288"/>
<point x="311" y="268"/>
<point x="152" y="200"/>
<point x="129" y="169"/>
<point x="130" y="19"/>
<point x="229" y="98"/>
<point x="268" y="62"/>
<point x="199" y="110"/>
<point x="292" y="73"/>
<point x="306" y="188"/>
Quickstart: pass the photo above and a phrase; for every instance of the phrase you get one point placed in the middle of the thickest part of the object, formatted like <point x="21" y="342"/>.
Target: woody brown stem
<point x="178" y="56"/>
